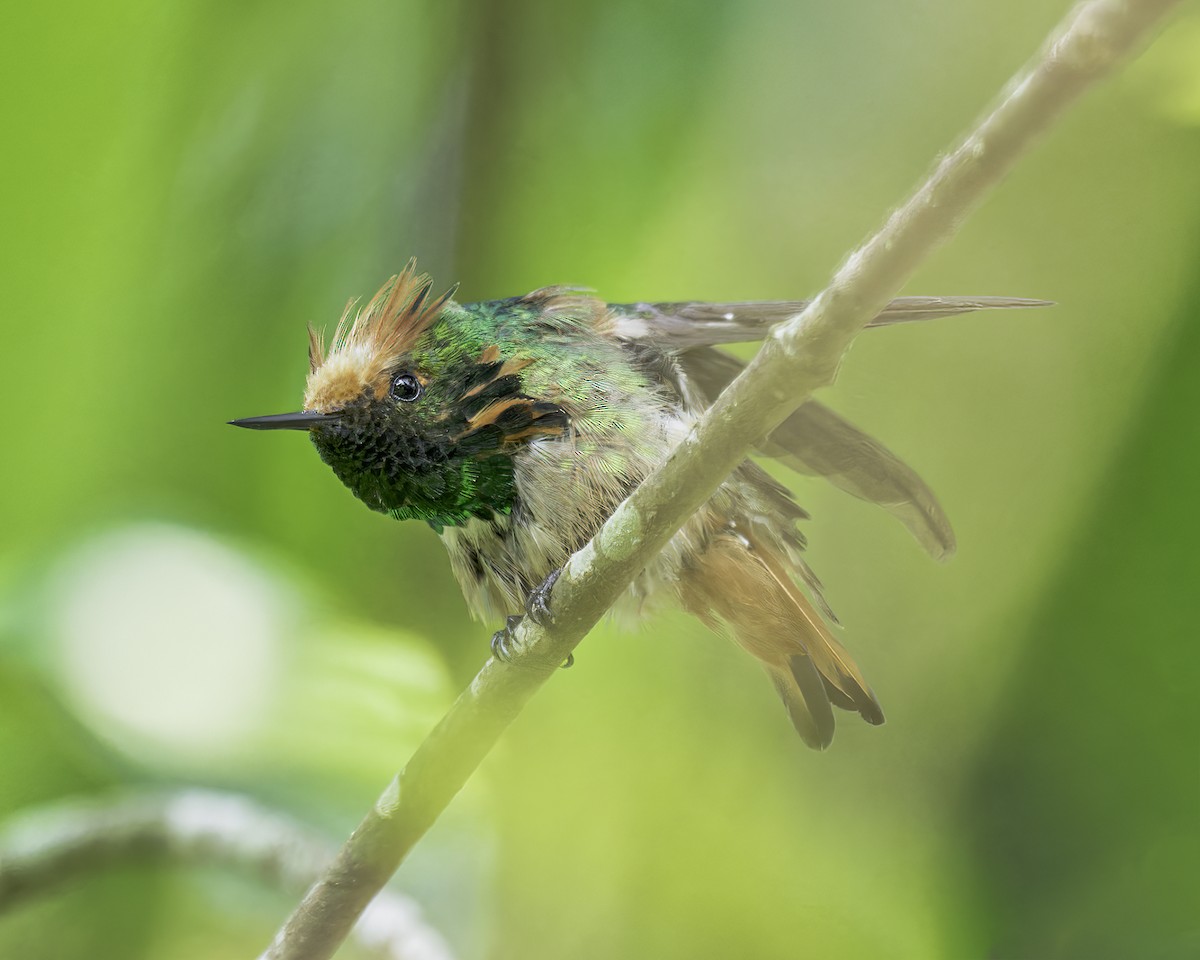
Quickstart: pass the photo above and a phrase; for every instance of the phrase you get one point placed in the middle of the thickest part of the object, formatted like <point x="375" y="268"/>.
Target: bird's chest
<point x="566" y="489"/>
<point x="561" y="502"/>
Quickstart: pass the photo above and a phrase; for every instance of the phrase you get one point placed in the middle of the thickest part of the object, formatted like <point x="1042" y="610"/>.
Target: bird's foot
<point x="537" y="608"/>
<point x="537" y="604"/>
<point x="504" y="642"/>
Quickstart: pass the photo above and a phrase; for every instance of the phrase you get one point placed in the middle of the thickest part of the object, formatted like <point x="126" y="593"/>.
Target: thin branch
<point x="799" y="357"/>
<point x="52" y="847"/>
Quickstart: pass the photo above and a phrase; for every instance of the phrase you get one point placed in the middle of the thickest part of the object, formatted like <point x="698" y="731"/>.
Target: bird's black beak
<point x="286" y="421"/>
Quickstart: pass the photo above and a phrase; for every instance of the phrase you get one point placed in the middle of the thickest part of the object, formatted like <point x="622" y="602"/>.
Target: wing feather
<point x="816" y="441"/>
<point x="685" y="325"/>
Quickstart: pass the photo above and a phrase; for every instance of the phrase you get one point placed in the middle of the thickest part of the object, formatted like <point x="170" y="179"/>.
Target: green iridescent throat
<point x="414" y="477"/>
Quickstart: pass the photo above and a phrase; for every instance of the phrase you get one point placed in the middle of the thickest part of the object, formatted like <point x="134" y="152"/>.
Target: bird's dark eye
<point x="406" y="387"/>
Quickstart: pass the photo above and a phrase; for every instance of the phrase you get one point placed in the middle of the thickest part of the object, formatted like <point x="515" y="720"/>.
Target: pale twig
<point x="800" y="356"/>
<point x="53" y="847"/>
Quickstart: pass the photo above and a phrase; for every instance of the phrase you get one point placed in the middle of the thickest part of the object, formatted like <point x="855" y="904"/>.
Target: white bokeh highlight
<point x="166" y="637"/>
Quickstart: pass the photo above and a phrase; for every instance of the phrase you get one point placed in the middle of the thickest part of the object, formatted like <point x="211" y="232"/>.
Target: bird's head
<point x="416" y="408"/>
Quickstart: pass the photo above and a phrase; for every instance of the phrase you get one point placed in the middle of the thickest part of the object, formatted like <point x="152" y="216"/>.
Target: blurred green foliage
<point x="186" y="185"/>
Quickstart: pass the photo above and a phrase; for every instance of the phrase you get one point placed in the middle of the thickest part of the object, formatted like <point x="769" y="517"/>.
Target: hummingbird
<point x="515" y="427"/>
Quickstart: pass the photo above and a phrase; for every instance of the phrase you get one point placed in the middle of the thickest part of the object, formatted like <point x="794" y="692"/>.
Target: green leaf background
<point x="185" y="185"/>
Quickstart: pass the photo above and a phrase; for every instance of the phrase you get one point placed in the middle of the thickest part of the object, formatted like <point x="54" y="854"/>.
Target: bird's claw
<point x="537" y="604"/>
<point x="504" y="641"/>
<point x="537" y="608"/>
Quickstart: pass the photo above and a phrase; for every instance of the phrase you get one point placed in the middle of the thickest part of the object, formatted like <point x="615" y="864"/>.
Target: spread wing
<point x="682" y="326"/>
<point x="815" y="440"/>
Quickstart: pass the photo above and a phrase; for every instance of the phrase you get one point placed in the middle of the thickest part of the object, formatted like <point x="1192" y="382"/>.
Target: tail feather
<point x="748" y="589"/>
<point x="830" y="657"/>
<point x="803" y="692"/>
<point x="837" y="698"/>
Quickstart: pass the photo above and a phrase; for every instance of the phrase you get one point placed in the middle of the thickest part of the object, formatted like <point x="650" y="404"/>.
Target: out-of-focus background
<point x="186" y="185"/>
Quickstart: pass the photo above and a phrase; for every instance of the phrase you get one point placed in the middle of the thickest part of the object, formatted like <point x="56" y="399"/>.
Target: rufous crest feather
<point x="369" y="342"/>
